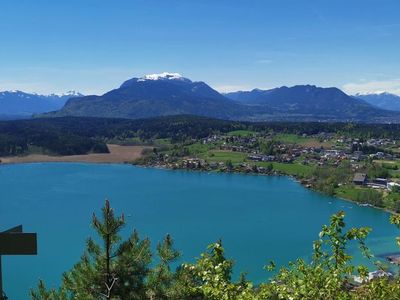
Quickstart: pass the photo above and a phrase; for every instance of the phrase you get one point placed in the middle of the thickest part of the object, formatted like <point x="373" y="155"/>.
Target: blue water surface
<point x="259" y="218"/>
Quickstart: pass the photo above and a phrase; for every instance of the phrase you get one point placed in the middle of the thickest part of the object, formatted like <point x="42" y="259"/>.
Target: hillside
<point x="314" y="103"/>
<point x="155" y="95"/>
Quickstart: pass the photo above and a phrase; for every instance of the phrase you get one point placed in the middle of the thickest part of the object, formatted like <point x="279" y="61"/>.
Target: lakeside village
<point x="366" y="171"/>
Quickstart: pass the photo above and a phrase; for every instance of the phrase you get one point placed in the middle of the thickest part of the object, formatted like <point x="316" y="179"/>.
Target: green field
<point x="239" y="157"/>
<point x="292" y="138"/>
<point x="393" y="166"/>
<point x="300" y="140"/>
<point x="354" y="193"/>
<point x="289" y="169"/>
<point x="224" y="156"/>
<point x="348" y="192"/>
<point x="241" y="133"/>
<point x="162" y="142"/>
<point x="198" y="148"/>
<point x="390" y="164"/>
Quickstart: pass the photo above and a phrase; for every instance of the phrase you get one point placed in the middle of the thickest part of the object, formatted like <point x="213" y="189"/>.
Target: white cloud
<point x="390" y="86"/>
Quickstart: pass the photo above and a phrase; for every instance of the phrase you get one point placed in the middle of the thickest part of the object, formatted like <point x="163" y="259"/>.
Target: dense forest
<point x="74" y="135"/>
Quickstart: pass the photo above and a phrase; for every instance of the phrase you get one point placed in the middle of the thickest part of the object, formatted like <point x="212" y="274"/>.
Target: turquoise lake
<point x="259" y="218"/>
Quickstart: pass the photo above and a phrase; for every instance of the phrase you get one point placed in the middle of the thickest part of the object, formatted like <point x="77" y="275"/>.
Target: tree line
<point x="81" y="135"/>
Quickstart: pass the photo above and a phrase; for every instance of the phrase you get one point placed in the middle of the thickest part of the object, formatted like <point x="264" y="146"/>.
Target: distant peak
<point x="304" y="86"/>
<point x="370" y="93"/>
<point x="163" y="76"/>
<point x="11" y="92"/>
<point x="71" y="94"/>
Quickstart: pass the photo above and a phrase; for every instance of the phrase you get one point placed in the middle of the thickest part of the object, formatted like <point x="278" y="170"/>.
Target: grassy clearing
<point x="224" y="156"/>
<point x="242" y="133"/>
<point x="356" y="193"/>
<point x="292" y="138"/>
<point x="198" y="148"/>
<point x="300" y="140"/>
<point x="387" y="162"/>
<point x="296" y="169"/>
<point x="290" y="169"/>
<point x="392" y="166"/>
<point x="349" y="192"/>
<point x="162" y="142"/>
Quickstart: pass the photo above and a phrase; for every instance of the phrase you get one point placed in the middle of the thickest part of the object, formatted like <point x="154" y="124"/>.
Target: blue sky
<point x="93" y="45"/>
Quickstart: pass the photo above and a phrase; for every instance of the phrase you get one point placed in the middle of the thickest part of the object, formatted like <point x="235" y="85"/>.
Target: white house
<point x="372" y="275"/>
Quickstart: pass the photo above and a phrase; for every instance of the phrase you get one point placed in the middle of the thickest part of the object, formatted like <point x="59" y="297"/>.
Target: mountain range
<point x="309" y="101"/>
<point x="156" y="95"/>
<point x="17" y="104"/>
<point x="171" y="94"/>
<point x="382" y="100"/>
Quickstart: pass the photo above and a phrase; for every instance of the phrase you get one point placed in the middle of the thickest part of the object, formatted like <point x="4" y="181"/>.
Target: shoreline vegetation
<point x="298" y="180"/>
<point x="123" y="154"/>
<point x="329" y="158"/>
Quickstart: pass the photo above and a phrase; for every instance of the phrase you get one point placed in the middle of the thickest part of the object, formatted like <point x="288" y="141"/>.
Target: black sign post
<point x="14" y="242"/>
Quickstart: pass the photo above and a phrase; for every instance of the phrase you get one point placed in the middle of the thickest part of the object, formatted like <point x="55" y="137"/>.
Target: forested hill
<point x="75" y="135"/>
<point x="312" y="103"/>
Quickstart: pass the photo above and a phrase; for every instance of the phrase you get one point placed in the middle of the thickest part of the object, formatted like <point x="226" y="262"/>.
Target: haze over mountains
<point x="382" y="100"/>
<point x="309" y="101"/>
<point x="18" y="104"/>
<point x="171" y="94"/>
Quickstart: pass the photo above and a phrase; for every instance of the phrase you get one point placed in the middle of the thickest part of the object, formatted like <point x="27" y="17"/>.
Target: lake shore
<point x="275" y="173"/>
<point x="129" y="154"/>
<point x="118" y="154"/>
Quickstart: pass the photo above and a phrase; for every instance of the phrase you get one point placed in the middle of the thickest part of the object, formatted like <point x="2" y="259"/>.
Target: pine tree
<point x="161" y="280"/>
<point x="110" y="270"/>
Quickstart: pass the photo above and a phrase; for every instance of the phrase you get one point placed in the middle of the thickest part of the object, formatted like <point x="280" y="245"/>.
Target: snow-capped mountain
<point x="20" y="104"/>
<point x="164" y="76"/>
<point x="381" y="99"/>
<point x="155" y="95"/>
<point x="172" y="94"/>
<point x="68" y="94"/>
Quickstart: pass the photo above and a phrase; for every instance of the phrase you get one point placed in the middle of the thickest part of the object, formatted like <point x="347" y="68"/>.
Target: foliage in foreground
<point x="126" y="269"/>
